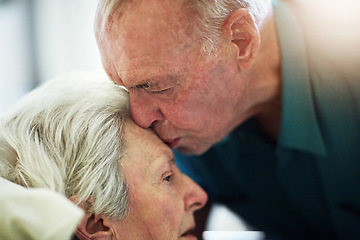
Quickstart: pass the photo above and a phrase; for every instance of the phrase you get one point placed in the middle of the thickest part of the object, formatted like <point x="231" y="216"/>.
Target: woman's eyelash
<point x="168" y="178"/>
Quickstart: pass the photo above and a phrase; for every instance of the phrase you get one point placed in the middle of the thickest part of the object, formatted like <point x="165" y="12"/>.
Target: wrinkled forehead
<point x="139" y="136"/>
<point x="153" y="33"/>
<point x="152" y="17"/>
<point x="143" y="145"/>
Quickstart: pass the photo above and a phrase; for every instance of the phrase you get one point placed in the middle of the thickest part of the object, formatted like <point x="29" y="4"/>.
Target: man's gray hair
<point x="67" y="136"/>
<point x="209" y="16"/>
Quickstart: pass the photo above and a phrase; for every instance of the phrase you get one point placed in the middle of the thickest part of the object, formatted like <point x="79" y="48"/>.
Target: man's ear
<point x="93" y="227"/>
<point x="241" y="30"/>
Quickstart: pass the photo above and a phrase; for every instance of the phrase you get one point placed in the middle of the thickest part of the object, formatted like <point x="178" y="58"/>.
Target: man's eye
<point x="161" y="91"/>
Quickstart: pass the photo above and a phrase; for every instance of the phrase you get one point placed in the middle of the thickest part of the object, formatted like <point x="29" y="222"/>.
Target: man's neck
<point x="266" y="77"/>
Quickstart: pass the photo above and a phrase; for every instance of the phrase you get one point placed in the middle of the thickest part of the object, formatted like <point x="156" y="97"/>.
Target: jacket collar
<point x="299" y="124"/>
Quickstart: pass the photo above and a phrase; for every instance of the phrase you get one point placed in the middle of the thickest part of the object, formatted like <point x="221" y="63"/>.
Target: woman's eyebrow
<point x="165" y="160"/>
<point x="159" y="167"/>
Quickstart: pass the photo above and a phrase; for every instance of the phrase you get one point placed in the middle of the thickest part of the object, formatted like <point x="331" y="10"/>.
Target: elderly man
<point x="264" y="98"/>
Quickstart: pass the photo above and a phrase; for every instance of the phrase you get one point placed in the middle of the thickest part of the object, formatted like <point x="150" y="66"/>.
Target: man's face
<point x="162" y="199"/>
<point x="189" y="100"/>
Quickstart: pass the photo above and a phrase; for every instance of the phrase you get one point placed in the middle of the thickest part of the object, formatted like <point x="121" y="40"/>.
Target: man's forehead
<point x="150" y="10"/>
<point x="150" y="17"/>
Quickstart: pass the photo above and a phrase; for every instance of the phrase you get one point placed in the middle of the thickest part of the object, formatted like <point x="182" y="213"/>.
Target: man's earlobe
<point x="241" y="30"/>
<point x="92" y="227"/>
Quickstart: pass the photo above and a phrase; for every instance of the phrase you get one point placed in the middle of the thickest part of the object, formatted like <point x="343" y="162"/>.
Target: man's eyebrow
<point x="151" y="82"/>
<point x="145" y="85"/>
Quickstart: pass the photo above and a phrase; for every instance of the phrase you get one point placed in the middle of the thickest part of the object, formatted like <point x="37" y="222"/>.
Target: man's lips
<point x="173" y="143"/>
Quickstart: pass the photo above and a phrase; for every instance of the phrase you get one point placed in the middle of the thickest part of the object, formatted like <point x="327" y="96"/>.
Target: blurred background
<point x="40" y="39"/>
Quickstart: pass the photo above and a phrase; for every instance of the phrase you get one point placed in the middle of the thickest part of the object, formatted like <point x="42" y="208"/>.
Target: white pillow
<point x="36" y="213"/>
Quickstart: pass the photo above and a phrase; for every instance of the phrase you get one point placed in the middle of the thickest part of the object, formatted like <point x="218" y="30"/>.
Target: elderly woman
<point x="74" y="135"/>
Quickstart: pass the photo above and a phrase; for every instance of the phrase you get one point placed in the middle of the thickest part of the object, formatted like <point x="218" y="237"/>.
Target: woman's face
<point x="162" y="199"/>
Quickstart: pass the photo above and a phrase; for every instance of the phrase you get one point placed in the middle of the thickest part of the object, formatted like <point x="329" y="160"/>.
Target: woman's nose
<point x="195" y="197"/>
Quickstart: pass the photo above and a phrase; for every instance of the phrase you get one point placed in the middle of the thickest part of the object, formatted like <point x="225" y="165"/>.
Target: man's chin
<point x="193" y="149"/>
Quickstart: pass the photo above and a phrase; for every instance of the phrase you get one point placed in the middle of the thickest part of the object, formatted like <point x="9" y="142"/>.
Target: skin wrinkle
<point x="147" y="84"/>
<point x="148" y="187"/>
<point x="123" y="176"/>
<point x="195" y="112"/>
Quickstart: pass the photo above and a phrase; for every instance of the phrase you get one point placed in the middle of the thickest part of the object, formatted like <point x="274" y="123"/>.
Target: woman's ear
<point x="241" y="30"/>
<point x="93" y="227"/>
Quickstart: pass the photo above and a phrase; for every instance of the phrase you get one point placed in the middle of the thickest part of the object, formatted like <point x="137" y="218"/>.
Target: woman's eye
<point x="168" y="178"/>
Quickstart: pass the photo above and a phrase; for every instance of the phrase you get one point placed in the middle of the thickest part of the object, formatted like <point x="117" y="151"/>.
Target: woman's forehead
<point x="144" y="147"/>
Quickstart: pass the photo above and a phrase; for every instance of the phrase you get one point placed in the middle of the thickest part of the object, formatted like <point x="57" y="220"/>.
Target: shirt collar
<point x="299" y="124"/>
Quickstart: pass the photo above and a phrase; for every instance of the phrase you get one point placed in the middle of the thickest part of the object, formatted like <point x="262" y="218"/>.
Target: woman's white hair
<point x="67" y="136"/>
<point x="209" y="16"/>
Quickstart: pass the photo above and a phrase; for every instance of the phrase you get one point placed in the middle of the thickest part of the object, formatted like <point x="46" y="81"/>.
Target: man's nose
<point x="143" y="111"/>
<point x="195" y="197"/>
